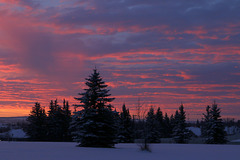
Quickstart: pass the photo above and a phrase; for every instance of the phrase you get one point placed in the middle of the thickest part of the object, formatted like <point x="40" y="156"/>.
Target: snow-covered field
<point x="68" y="151"/>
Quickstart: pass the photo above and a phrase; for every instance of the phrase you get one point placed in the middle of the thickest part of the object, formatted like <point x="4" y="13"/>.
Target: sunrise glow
<point x="160" y="53"/>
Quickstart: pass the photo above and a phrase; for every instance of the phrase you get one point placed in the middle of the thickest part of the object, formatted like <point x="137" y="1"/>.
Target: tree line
<point x="95" y="123"/>
<point x="51" y="126"/>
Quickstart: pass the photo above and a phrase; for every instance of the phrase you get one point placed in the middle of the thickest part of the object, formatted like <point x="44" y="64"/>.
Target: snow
<point x="232" y="130"/>
<point x="195" y="130"/>
<point x="236" y="140"/>
<point x="14" y="133"/>
<point x="229" y="130"/>
<point x="68" y="151"/>
<point x="17" y="133"/>
<point x="2" y="125"/>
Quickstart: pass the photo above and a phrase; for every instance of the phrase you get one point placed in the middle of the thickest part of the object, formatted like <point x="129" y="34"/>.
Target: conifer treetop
<point x="96" y="95"/>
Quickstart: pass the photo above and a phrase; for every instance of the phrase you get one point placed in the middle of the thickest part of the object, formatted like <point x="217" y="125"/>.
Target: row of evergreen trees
<point x="96" y="124"/>
<point x="154" y="127"/>
<point x="53" y="126"/>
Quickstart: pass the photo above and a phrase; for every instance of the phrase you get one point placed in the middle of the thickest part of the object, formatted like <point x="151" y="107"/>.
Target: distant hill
<point x="12" y="119"/>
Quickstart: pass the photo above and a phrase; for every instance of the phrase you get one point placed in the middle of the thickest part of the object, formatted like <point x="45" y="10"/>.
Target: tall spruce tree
<point x="180" y="132"/>
<point x="213" y="127"/>
<point x="125" y="130"/>
<point x="94" y="125"/>
<point x="37" y="127"/>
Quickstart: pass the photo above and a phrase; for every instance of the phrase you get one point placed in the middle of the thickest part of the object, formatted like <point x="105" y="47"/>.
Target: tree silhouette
<point x="37" y="127"/>
<point x="180" y="132"/>
<point x="125" y="131"/>
<point x="213" y="127"/>
<point x="94" y="125"/>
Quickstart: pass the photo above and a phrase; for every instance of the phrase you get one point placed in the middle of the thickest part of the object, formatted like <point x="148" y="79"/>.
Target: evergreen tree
<point x="58" y="121"/>
<point x="37" y="127"/>
<point x="139" y="128"/>
<point x="53" y="126"/>
<point x="167" y="127"/>
<point x="152" y="132"/>
<point x="180" y="132"/>
<point x="198" y="124"/>
<point x="213" y="130"/>
<point x="67" y="118"/>
<point x="125" y="133"/>
<point x="206" y="123"/>
<point x="94" y="125"/>
<point x="160" y="121"/>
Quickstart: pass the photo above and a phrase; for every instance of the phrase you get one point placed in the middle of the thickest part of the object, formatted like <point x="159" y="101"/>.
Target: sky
<point x="155" y="53"/>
